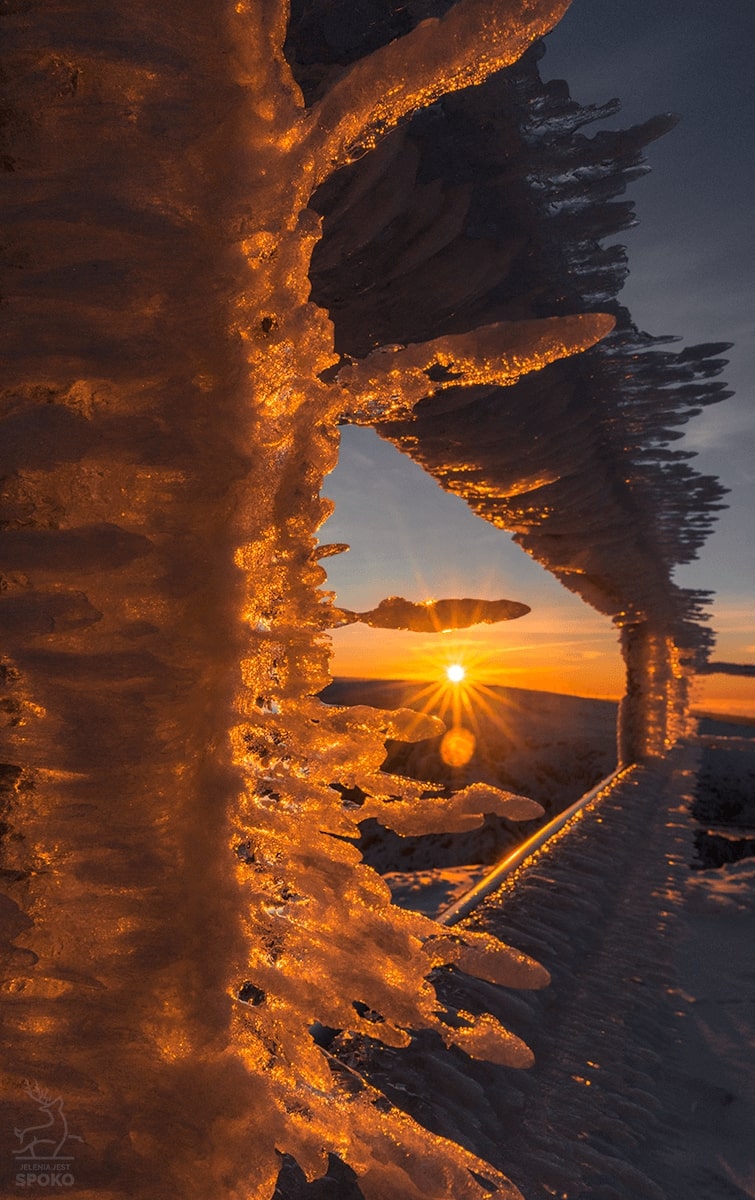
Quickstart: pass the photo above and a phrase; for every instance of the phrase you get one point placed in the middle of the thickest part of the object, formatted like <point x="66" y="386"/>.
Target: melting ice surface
<point x="184" y="902"/>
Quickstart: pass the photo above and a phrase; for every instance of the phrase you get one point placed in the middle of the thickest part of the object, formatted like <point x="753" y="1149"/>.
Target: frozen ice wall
<point x="183" y="903"/>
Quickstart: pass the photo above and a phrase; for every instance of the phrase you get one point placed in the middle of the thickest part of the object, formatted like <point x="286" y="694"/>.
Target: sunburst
<point x="459" y="697"/>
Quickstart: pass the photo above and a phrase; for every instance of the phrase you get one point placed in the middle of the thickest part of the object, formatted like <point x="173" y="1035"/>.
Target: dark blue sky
<point x="692" y="256"/>
<point x="692" y="263"/>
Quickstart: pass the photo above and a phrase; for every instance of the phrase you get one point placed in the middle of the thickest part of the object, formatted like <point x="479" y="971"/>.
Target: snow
<point x="714" y="963"/>
<point x="644" y="1043"/>
<point x="644" y="1075"/>
<point x="432" y="890"/>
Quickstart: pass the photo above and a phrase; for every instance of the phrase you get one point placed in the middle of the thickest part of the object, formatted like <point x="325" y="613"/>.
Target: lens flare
<point x="455" y="673"/>
<point x="457" y="747"/>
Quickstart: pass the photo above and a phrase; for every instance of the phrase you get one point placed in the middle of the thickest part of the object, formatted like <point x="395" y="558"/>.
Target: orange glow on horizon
<point x="578" y="658"/>
<point x="724" y="695"/>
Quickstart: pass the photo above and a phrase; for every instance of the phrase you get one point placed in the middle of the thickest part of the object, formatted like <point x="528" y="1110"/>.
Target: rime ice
<point x="576" y="460"/>
<point x="179" y="880"/>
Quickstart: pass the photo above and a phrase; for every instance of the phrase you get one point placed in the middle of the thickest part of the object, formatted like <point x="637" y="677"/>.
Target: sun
<point x="455" y="673"/>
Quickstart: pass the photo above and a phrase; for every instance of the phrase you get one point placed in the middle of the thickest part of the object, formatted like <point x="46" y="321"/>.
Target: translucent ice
<point x="184" y="899"/>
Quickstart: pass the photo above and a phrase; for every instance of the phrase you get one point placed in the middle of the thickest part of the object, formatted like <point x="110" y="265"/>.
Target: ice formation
<point x="436" y="616"/>
<point x="493" y="206"/>
<point x="184" y="902"/>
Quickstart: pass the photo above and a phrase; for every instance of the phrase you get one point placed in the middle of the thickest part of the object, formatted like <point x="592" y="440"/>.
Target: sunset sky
<point x="691" y="274"/>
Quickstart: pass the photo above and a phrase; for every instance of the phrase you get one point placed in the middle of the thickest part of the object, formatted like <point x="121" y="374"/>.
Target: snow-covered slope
<point x="643" y="1084"/>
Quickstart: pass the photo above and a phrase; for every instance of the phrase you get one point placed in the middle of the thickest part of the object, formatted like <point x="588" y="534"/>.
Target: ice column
<point x="178" y="880"/>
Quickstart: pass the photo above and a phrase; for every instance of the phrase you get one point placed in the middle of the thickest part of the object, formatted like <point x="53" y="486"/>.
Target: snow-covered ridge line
<point x="528" y="849"/>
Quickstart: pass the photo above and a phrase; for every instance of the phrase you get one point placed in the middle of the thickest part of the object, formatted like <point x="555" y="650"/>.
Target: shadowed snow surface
<point x="643" y="1081"/>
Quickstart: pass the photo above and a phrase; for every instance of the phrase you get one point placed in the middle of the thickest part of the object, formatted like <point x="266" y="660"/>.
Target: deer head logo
<point x="47" y="1139"/>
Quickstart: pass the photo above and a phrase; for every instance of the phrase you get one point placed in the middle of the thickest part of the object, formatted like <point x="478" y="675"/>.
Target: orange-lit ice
<point x="185" y="901"/>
